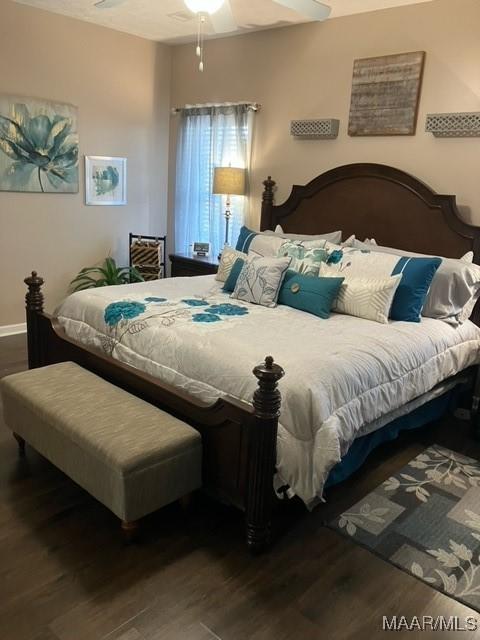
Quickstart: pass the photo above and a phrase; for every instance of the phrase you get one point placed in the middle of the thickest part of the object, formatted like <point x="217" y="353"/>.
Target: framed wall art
<point x="38" y="146"/>
<point x="385" y="95"/>
<point x="105" y="180"/>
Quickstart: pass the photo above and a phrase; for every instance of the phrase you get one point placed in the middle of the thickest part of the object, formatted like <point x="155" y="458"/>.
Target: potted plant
<point x="105" y="275"/>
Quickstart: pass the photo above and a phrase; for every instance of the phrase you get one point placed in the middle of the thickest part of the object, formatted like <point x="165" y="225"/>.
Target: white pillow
<point x="356" y="263"/>
<point x="264" y="245"/>
<point x="349" y="242"/>
<point x="368" y="243"/>
<point x="260" y="280"/>
<point x="417" y="275"/>
<point x="333" y="236"/>
<point x="307" y="256"/>
<point x="455" y="287"/>
<point x="369" y="298"/>
<point x="267" y="243"/>
<point x="352" y="241"/>
<point x="229" y="256"/>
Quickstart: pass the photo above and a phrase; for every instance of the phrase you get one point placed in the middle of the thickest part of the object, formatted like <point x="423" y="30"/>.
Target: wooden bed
<point x="239" y="439"/>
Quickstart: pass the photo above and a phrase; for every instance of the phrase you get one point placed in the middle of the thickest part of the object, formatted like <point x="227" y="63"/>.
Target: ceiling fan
<point x="221" y="17"/>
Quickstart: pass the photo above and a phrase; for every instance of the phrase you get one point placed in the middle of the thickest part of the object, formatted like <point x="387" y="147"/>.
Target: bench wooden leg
<point x="130" y="529"/>
<point x="21" y="445"/>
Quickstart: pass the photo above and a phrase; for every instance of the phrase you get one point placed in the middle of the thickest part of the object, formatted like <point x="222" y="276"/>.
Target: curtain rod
<point x="254" y="106"/>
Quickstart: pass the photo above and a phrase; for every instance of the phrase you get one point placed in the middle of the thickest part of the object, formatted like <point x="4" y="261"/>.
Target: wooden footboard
<point x="239" y="439"/>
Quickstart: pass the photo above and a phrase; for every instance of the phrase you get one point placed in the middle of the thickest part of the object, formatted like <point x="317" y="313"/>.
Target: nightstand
<point x="187" y="265"/>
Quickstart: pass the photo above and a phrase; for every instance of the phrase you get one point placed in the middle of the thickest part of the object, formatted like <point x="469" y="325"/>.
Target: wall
<point x="305" y="72"/>
<point x="120" y="84"/>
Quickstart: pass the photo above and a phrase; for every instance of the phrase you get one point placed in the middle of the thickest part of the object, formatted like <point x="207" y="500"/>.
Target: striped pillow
<point x="228" y="258"/>
<point x="369" y="298"/>
<point x="417" y="275"/>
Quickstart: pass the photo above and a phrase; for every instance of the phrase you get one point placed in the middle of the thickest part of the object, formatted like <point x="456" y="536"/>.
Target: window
<point x="209" y="137"/>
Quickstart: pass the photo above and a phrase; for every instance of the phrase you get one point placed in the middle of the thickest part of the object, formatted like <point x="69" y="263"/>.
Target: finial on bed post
<point x="34" y="306"/>
<point x="263" y="454"/>
<point x="267" y="204"/>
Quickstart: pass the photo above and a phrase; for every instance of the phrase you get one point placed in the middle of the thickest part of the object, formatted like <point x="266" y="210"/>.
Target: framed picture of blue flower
<point x="105" y="180"/>
<point x="38" y="146"/>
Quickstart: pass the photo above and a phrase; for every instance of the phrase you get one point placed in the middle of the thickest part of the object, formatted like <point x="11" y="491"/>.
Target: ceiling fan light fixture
<point x="204" y="6"/>
<point x="222" y="20"/>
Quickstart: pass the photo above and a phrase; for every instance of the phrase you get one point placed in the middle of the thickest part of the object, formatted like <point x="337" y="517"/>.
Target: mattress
<point x="342" y="374"/>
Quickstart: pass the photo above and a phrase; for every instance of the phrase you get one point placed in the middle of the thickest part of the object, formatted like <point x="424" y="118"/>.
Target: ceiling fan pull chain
<point x="201" y="44"/>
<point x="198" y="50"/>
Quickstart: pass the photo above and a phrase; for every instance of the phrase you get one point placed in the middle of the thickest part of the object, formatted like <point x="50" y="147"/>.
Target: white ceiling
<point x="170" y="21"/>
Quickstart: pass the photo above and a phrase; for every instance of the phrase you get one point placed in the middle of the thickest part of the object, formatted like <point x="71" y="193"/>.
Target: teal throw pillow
<point x="313" y="295"/>
<point x="231" y="281"/>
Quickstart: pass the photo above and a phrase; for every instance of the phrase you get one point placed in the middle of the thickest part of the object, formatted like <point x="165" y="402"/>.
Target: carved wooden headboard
<point x="374" y="201"/>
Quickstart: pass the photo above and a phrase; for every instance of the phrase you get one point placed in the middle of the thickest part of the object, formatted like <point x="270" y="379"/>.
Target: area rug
<point x="426" y="520"/>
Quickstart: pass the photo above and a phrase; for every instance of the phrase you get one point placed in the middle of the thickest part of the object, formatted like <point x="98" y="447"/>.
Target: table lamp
<point x="228" y="181"/>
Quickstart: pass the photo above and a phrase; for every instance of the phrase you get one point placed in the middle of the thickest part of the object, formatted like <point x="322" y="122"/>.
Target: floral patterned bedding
<point x="342" y="374"/>
<point x="130" y="317"/>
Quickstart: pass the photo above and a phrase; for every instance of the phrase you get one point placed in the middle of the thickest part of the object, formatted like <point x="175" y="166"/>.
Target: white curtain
<point x="209" y="136"/>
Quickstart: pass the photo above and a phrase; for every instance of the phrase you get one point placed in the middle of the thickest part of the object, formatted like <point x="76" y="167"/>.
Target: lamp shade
<point x="229" y="181"/>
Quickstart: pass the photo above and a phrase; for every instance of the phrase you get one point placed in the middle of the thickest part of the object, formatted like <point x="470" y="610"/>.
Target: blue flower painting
<point x="38" y="146"/>
<point x="123" y="310"/>
<point x="106" y="179"/>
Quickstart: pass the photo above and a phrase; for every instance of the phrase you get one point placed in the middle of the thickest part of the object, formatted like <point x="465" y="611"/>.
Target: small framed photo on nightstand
<point x="201" y="249"/>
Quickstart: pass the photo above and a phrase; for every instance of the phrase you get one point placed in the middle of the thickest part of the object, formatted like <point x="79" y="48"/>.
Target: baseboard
<point x="12" y="329"/>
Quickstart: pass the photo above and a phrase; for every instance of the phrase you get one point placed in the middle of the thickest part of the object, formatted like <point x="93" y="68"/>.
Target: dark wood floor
<point x="66" y="575"/>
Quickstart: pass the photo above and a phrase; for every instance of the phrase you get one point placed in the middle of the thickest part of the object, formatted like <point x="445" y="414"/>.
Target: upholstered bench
<point x="131" y="456"/>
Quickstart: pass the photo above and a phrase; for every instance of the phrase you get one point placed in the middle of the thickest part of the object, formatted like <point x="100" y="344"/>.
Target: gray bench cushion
<point x="127" y="453"/>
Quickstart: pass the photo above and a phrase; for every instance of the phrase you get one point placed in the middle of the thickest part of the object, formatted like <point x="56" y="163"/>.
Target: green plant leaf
<point x="107" y="274"/>
<point x="103" y="272"/>
<point x="82" y="280"/>
<point x="135" y="275"/>
<point x="110" y="265"/>
<point x="80" y="286"/>
<point x="89" y="270"/>
<point x="84" y="274"/>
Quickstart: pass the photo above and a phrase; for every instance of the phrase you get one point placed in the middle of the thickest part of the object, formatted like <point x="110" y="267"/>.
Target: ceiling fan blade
<point x="222" y="20"/>
<point x="108" y="4"/>
<point x="310" y="8"/>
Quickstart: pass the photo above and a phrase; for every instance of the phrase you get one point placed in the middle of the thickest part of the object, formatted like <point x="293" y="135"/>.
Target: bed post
<point x="34" y="306"/>
<point x="267" y="204"/>
<point x="262" y="454"/>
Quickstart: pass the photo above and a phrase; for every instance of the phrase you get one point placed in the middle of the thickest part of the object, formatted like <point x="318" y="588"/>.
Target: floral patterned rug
<point x="426" y="520"/>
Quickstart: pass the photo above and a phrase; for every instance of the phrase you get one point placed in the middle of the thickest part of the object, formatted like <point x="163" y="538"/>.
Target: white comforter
<point x="341" y="374"/>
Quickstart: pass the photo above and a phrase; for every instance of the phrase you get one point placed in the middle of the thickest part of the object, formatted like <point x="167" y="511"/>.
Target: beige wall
<point x="295" y="72"/>
<point x="305" y="72"/>
<point x="120" y="84"/>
